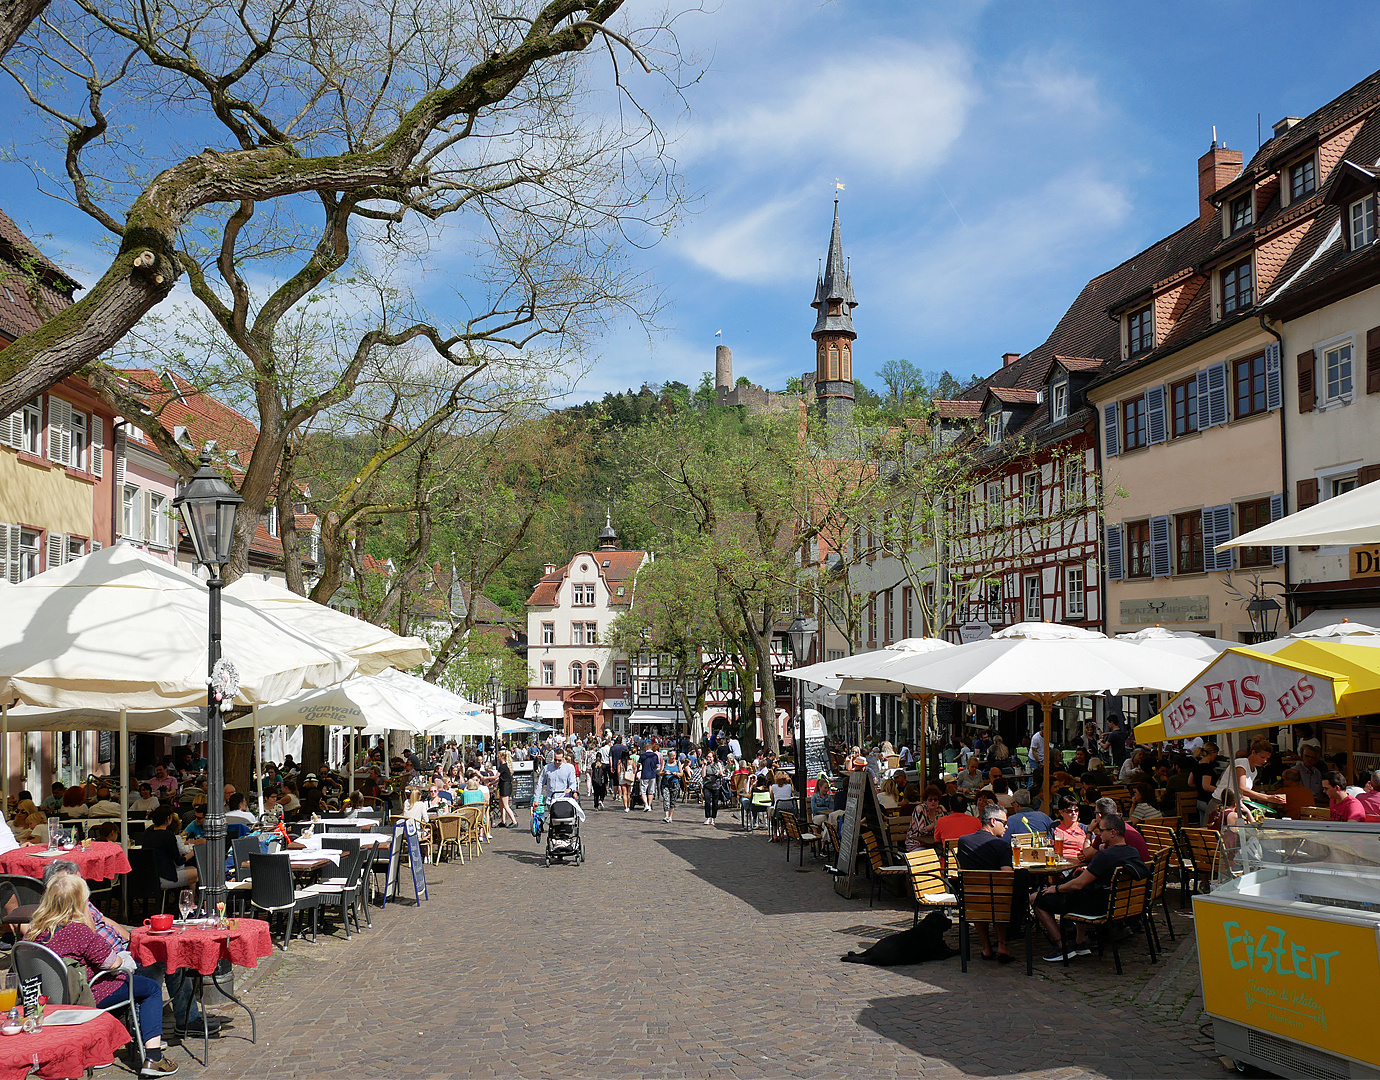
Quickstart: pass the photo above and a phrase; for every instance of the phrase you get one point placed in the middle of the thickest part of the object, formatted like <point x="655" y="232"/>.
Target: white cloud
<point x="762" y="245"/>
<point x="887" y="107"/>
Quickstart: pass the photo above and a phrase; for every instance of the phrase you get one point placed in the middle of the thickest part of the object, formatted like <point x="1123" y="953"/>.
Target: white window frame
<point x="76" y="548"/>
<point x="548" y="633"/>
<point x="30" y="547"/>
<point x="160" y="519"/>
<point x="1037" y="612"/>
<point x="131" y="520"/>
<point x="78" y="443"/>
<point x="1075" y="597"/>
<point x="548" y="673"/>
<point x="1059" y="400"/>
<point x="1030" y="494"/>
<point x="271" y="520"/>
<point x="1363" y="231"/>
<point x="1074" y="477"/>
<point x="994" y="427"/>
<point x="591" y="633"/>
<point x="591" y="673"/>
<point x="1323" y="380"/>
<point x="620" y="673"/>
<point x="32" y="438"/>
<point x="577" y="633"/>
<point x="577" y="673"/>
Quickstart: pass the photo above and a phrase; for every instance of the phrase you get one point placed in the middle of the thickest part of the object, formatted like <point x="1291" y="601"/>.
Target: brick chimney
<point x="1216" y="169"/>
<point x="1009" y="358"/>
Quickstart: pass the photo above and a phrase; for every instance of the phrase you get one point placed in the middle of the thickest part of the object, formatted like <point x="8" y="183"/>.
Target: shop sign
<point x="1308" y="980"/>
<point x="1164" y="609"/>
<point x="1237" y="691"/>
<point x="974" y="631"/>
<point x="616" y="704"/>
<point x="1365" y="561"/>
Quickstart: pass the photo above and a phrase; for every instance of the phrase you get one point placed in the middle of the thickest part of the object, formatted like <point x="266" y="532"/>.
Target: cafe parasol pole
<point x="1046" y="702"/>
<point x="124" y="776"/>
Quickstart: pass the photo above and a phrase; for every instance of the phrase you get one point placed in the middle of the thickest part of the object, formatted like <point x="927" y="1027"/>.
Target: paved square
<point x="690" y="951"/>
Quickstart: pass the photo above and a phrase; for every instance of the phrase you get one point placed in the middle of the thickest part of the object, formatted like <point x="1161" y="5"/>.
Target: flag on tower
<point x="838" y="184"/>
<point x="718" y="333"/>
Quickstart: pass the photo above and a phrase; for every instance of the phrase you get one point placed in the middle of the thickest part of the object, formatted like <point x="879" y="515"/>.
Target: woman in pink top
<point x="1067" y="829"/>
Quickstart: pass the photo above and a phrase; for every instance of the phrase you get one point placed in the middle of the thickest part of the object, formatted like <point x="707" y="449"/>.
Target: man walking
<point x="651" y="771"/>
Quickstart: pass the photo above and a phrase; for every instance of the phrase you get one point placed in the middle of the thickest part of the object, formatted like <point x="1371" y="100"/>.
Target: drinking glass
<point x="9" y="991"/>
<point x="186" y="902"/>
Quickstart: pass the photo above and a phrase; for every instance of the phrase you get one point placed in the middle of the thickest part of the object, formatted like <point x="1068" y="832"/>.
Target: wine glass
<point x="186" y="902"/>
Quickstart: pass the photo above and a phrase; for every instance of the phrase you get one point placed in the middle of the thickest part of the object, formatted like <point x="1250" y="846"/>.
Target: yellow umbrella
<point x="1307" y="680"/>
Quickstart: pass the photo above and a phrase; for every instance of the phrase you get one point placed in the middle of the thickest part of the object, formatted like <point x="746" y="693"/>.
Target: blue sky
<point x="995" y="157"/>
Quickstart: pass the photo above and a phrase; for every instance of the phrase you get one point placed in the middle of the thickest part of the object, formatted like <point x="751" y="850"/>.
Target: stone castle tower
<point x="833" y="333"/>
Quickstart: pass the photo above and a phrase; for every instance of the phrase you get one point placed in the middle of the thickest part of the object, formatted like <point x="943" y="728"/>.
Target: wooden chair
<point x="831" y="839"/>
<point x="471" y="822"/>
<point x="989" y="896"/>
<point x="1317" y="813"/>
<point x="1166" y="822"/>
<point x="791" y="824"/>
<point x="1128" y="900"/>
<point x="877" y="870"/>
<point x="897" y="825"/>
<point x="1159" y="837"/>
<point x="1201" y="850"/>
<point x="1023" y="840"/>
<point x="951" y="854"/>
<point x="1121" y="795"/>
<point x="1187" y="806"/>
<point x="928" y="886"/>
<point x="1159" y="879"/>
<point x="447" y="828"/>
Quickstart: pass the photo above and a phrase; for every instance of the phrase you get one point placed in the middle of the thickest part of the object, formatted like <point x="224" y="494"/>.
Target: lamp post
<point x="493" y="698"/>
<point x="208" y="505"/>
<point x="801" y="633"/>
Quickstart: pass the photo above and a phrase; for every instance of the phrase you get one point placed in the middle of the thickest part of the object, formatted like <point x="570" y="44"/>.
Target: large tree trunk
<point x="15" y="17"/>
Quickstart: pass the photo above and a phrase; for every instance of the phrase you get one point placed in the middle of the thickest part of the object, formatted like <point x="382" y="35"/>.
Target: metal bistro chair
<point x="990" y="896"/>
<point x="273" y="893"/>
<point x="142" y="883"/>
<point x="32" y="960"/>
<point x="448" y="837"/>
<point x="341" y="890"/>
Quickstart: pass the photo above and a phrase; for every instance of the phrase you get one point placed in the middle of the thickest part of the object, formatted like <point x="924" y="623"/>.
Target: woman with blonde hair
<point x="63" y="923"/>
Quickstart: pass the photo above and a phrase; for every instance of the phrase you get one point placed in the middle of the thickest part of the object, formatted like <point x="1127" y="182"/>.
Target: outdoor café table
<point x="62" y="1050"/>
<point x="346" y="822"/>
<point x="1061" y="866"/>
<point x="200" y="947"/>
<point x="96" y="861"/>
<point x="366" y="840"/>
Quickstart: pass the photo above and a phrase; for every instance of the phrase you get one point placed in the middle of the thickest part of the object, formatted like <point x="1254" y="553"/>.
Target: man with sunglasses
<point x="1088" y="892"/>
<point x="988" y="849"/>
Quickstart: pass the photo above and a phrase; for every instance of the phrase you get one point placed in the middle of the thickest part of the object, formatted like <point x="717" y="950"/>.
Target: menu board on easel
<point x="862" y="807"/>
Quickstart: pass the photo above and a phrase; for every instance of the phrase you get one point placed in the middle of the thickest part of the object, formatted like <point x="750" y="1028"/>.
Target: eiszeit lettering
<point x="1272" y="951"/>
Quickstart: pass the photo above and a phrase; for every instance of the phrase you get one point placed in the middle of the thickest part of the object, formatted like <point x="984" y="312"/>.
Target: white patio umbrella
<point x="121" y="629"/>
<point x="1179" y="642"/>
<point x="1351" y="518"/>
<point x="375" y="647"/>
<point x="1046" y="662"/>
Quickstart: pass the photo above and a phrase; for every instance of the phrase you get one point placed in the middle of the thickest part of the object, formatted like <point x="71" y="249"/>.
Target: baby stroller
<point x="563" y="833"/>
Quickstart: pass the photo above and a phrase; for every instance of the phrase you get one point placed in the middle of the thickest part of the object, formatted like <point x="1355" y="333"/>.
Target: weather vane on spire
<point x="838" y="186"/>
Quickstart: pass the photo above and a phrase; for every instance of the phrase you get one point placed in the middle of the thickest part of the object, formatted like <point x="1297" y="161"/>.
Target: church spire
<point x="834" y="299"/>
<point x="834" y="333"/>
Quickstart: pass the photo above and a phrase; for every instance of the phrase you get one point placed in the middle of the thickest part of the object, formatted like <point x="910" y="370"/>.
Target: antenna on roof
<point x="1258" y="143"/>
<point x="1214" y="136"/>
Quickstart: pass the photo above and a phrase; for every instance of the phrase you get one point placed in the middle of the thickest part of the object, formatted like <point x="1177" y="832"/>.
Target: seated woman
<point x="1143" y="806"/>
<point x="170" y="854"/>
<point x="922" y="821"/>
<point x="473" y="793"/>
<point x="782" y="798"/>
<point x="822" y="802"/>
<point x="1067" y="828"/>
<point x="29" y="825"/>
<point x="62" y="923"/>
<point x="758" y="801"/>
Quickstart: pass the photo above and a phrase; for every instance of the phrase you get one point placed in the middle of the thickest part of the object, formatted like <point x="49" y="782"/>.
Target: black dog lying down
<point x="924" y="942"/>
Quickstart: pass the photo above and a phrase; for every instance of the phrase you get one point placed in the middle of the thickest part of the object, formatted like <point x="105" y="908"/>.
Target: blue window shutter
<point x="1203" y="421"/>
<point x="1217" y="397"/>
<point x="1114" y="553"/>
<point x="1274" y="391"/>
<point x="1159" y="547"/>
<point x="1113" y="440"/>
<point x="1216" y="530"/>
<point x="1276" y="512"/>
<point x="1154" y="415"/>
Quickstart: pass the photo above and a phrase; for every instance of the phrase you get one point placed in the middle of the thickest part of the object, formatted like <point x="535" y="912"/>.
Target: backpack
<point x="78" y="987"/>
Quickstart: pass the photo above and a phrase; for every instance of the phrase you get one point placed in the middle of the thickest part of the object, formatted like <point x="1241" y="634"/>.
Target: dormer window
<point x="1242" y="211"/>
<point x="994" y="428"/>
<point x="1238" y="290"/>
<point x="1361" y="216"/>
<point x="1303" y="178"/>
<point x="1059" y="400"/>
<point x="1140" y="331"/>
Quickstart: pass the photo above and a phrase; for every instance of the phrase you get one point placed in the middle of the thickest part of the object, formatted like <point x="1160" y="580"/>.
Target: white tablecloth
<point x="366" y="840"/>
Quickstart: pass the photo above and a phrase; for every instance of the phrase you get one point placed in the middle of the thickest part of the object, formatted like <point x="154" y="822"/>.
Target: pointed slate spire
<point x="836" y="285"/>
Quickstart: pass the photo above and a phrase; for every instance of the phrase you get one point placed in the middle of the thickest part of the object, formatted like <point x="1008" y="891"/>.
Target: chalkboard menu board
<point x="524" y="782"/>
<point x="862" y="807"/>
<point x="816" y="759"/>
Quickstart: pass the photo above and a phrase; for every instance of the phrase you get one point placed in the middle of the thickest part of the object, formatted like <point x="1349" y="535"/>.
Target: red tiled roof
<point x="1013" y="396"/>
<point x="1079" y="363"/>
<point x="622" y="567"/>
<point x="960" y="410"/>
<point x="27" y="273"/>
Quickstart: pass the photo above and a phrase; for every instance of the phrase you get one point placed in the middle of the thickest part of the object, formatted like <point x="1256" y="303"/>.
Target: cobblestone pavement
<point x="690" y="951"/>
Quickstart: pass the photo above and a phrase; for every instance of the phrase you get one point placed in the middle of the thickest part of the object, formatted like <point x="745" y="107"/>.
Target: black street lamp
<point x="208" y="506"/>
<point x="801" y="633"/>
<point x="1264" y="613"/>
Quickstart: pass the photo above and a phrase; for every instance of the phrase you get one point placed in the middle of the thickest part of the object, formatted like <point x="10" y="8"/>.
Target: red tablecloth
<point x="98" y="861"/>
<point x="62" y="1051"/>
<point x="202" y="947"/>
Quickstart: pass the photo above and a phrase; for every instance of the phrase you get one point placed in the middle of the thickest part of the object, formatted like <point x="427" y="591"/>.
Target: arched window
<point x="577" y="673"/>
<point x="846" y="371"/>
<point x="591" y="674"/>
<point x="833" y="363"/>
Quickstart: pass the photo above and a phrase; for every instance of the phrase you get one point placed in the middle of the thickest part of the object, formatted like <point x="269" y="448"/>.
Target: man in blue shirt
<point x="651" y="768"/>
<point x="1022" y="819"/>
<point x="558" y="781"/>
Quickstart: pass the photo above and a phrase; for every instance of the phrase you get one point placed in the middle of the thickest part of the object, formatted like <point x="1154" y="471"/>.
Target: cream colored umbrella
<point x="375" y="647"/>
<point x="121" y="629"/>
<point x="1352" y="518"/>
